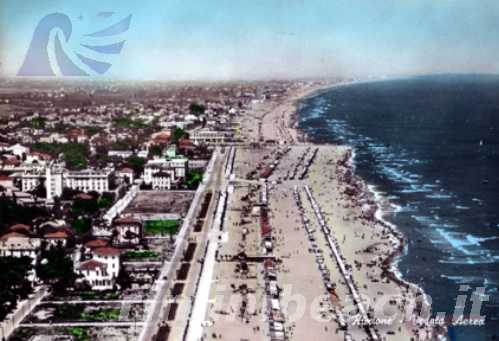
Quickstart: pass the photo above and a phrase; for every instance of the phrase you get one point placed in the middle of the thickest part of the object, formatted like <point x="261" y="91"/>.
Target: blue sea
<point x="431" y="146"/>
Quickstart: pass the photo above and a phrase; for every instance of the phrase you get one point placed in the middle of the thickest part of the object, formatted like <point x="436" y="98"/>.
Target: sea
<point x="430" y="146"/>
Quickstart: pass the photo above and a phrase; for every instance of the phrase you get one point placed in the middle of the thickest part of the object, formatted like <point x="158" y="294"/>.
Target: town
<point x="106" y="189"/>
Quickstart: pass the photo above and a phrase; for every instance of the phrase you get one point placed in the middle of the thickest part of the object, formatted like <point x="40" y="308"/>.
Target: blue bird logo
<point x="68" y="61"/>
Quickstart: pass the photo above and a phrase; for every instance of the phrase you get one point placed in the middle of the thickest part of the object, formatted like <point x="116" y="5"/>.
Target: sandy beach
<point x="332" y="254"/>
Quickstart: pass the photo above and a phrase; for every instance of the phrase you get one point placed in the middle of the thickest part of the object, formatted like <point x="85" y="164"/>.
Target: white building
<point x="96" y="275"/>
<point x="56" y="178"/>
<point x="162" y="173"/>
<point x="54" y="181"/>
<point x="210" y="137"/>
<point x="89" y="180"/>
<point x="101" y="271"/>
<point x="110" y="256"/>
<point x="31" y="178"/>
<point x="129" y="231"/>
<point x="19" y="150"/>
<point x="124" y="154"/>
<point x="162" y="180"/>
<point x="14" y="244"/>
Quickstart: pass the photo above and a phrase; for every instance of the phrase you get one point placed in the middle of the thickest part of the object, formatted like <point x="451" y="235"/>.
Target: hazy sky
<point x="235" y="39"/>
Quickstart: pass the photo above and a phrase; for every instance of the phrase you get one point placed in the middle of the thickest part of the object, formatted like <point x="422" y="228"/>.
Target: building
<point x="126" y="174"/>
<point x="101" y="271"/>
<point x="110" y="256"/>
<point x="15" y="244"/>
<point x="123" y="154"/>
<point x="210" y="137"/>
<point x="89" y="180"/>
<point x="31" y="178"/>
<point x="56" y="178"/>
<point x="56" y="238"/>
<point x="129" y="231"/>
<point x="162" y="173"/>
<point x="54" y="181"/>
<point x="162" y="180"/>
<point x="96" y="275"/>
<point x="6" y="181"/>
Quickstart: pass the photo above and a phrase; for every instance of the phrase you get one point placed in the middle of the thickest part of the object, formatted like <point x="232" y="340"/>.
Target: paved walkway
<point x="154" y="311"/>
<point x="195" y="331"/>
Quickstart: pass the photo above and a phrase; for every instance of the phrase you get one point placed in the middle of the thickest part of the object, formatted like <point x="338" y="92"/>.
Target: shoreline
<point x="390" y="264"/>
<point x="371" y="244"/>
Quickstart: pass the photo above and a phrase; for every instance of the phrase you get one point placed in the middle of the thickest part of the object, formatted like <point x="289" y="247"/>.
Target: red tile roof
<point x="41" y="155"/>
<point x="92" y="265"/>
<point x="96" y="243"/>
<point x="61" y="234"/>
<point x="20" y="228"/>
<point x="9" y="235"/>
<point x="126" y="220"/>
<point x="126" y="170"/>
<point x="107" y="251"/>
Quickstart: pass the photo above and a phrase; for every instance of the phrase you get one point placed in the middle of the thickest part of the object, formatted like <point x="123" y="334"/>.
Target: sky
<point x="254" y="39"/>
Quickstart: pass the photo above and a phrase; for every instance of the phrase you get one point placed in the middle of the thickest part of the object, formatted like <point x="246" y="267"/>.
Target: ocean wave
<point x="468" y="244"/>
<point x="439" y="196"/>
<point x="469" y="260"/>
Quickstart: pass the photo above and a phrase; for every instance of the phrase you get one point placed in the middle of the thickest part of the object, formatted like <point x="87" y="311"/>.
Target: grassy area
<point x="141" y="254"/>
<point x="75" y="154"/>
<point x="110" y="314"/>
<point x="78" y="333"/>
<point x="97" y="295"/>
<point x="153" y="227"/>
<point x="37" y="123"/>
<point x="127" y="122"/>
<point x="23" y="334"/>
<point x="76" y="312"/>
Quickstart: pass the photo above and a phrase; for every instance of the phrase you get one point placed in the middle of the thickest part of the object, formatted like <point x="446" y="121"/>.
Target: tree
<point x="14" y="284"/>
<point x="193" y="178"/>
<point x="11" y="213"/>
<point x="123" y="280"/>
<point x="56" y="269"/>
<point x="196" y="109"/>
<point x="82" y="226"/>
<point x="137" y="164"/>
<point x="178" y="134"/>
<point x="156" y="150"/>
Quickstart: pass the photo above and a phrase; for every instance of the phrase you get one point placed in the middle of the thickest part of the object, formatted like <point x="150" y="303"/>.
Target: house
<point x="102" y="269"/>
<point x="58" y="237"/>
<point x="129" y="231"/>
<point x="96" y="275"/>
<point x="126" y="173"/>
<point x="15" y="244"/>
<point x="110" y="256"/>
<point x="19" y="150"/>
<point x="94" y="244"/>
<point x="6" y="181"/>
